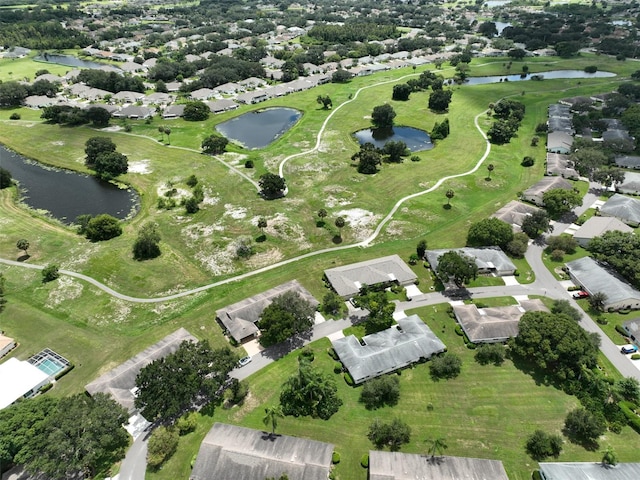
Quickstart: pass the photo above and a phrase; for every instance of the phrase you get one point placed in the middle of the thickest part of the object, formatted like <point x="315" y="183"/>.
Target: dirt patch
<point x="59" y="143"/>
<point x="66" y="289"/>
<point x="118" y="310"/>
<point x="234" y="158"/>
<point x="217" y="262"/>
<point x="280" y="226"/>
<point x="236" y="213"/>
<point x="142" y="167"/>
<point x="265" y="258"/>
<point x="197" y="231"/>
<point x="112" y="129"/>
<point x="209" y="197"/>
<point x="361" y="222"/>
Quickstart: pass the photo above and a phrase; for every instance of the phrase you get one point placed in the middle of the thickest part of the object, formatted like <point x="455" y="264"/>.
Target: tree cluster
<point x="5" y="178"/>
<point x="380" y="391"/>
<point x="289" y="314"/>
<point x="536" y="224"/>
<point x="541" y="445"/>
<point x="111" y="81"/>
<point x="621" y="251"/>
<point x="214" y="145"/>
<point x="456" y="267"/>
<point x="508" y="114"/>
<point x="489" y="232"/>
<point x="74" y="116"/>
<point x="101" y="156"/>
<point x="439" y="100"/>
<point x="193" y="375"/>
<point x="379" y="307"/>
<point x="99" y="228"/>
<point x="309" y="392"/>
<point x="272" y="185"/>
<point x="392" y="435"/>
<point x="352" y="31"/>
<point x="445" y="366"/>
<point x="440" y="130"/>
<point x="559" y="201"/>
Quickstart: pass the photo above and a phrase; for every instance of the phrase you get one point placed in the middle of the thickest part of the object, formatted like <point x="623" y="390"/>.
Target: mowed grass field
<point x="97" y="332"/>
<point x="487" y="412"/>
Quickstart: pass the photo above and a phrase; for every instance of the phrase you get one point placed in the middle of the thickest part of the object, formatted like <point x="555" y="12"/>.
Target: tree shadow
<point x="337" y="239"/>
<point x="586" y="443"/>
<point x="24" y="258"/>
<point x="261" y="238"/>
<point x="447" y="206"/>
<point x="487" y="179"/>
<point x="320" y="223"/>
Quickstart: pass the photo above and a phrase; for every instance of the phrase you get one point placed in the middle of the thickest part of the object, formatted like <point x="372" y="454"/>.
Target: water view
<point x="555" y="74"/>
<point x="259" y="128"/>
<point x="70" y="61"/>
<point x="416" y="140"/>
<point x="66" y="194"/>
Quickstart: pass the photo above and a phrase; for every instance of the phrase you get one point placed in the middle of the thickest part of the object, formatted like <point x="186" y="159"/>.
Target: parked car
<point x="580" y="294"/>
<point x="629" y="349"/>
<point x="243" y="361"/>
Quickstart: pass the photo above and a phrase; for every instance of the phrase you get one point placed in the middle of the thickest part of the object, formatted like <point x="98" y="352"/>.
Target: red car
<point x="580" y="294"/>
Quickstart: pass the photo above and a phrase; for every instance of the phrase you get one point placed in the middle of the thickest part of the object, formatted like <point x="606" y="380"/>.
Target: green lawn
<point x="486" y="412"/>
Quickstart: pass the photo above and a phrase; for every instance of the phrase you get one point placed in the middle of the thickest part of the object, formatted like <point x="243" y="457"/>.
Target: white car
<point x="244" y="361"/>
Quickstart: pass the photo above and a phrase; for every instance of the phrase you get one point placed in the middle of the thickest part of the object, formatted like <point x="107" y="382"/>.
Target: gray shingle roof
<point x="546" y="184"/>
<point x="596" y="226"/>
<point x="595" y="278"/>
<point x="236" y="453"/>
<point x="406" y="466"/>
<point x="348" y="279"/>
<point x="388" y="350"/>
<point x="558" y="164"/>
<point x="239" y="318"/>
<point x="631" y="183"/>
<point x="628" y="161"/>
<point x="487" y="259"/>
<point x="494" y="324"/>
<point x="589" y="471"/>
<point x="625" y="208"/>
<point x="633" y="327"/>
<point x="120" y="381"/>
<point x="515" y="212"/>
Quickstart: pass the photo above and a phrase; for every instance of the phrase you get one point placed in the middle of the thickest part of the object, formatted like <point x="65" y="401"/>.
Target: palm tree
<point x="437" y="445"/>
<point x="450" y="194"/>
<point x="262" y="224"/>
<point x="322" y="213"/>
<point x="161" y="130"/>
<point x="167" y="130"/>
<point x="490" y="168"/>
<point x="271" y="415"/>
<point x="340" y="223"/>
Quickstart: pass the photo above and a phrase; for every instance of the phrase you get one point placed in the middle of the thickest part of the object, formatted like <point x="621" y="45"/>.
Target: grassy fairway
<point x="486" y="412"/>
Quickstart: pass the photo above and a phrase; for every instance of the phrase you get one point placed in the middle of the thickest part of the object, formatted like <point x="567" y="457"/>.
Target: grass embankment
<point x="487" y="412"/>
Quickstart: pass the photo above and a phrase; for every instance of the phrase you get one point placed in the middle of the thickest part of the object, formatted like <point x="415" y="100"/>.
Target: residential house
<point x="134" y="112"/>
<point x="628" y="161"/>
<point x="514" y="213"/>
<point x="126" y="96"/>
<point x="560" y="165"/>
<point x="220" y="106"/>
<point x="632" y="327"/>
<point x="173" y="111"/>
<point x="6" y="344"/>
<point x="624" y="208"/>
<point x="202" y="94"/>
<point x="535" y="193"/>
<point x="19" y="379"/>
<point x="597" y="226"/>
<point x="588" y="471"/>
<point x="489" y="260"/>
<point x="630" y="184"/>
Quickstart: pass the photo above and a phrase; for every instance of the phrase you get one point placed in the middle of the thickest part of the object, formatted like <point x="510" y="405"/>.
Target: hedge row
<point x="628" y="409"/>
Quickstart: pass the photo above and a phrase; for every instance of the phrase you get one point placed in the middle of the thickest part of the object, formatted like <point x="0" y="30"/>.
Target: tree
<point x="289" y="314"/>
<point x="421" y="248"/>
<point x="98" y="116"/>
<point x="262" y="224"/>
<point x="439" y="100"/>
<point x="490" y="353"/>
<point x="608" y="177"/>
<point x="325" y="101"/>
<point x="541" y="445"/>
<point x="490" y="169"/>
<point x="271" y="416"/>
<point x="583" y="425"/>
<point x="628" y="389"/>
<point x="191" y="205"/>
<point x="445" y="366"/>
<point x="440" y="130"/>
<point x="563" y="307"/>
<point x="332" y="303"/>
<point x="163" y="443"/>
<point x="79" y="437"/>
<point x="196" y="111"/>
<point x="518" y="246"/>
<point x="598" y="301"/>
<point x="309" y="392"/>
<point x="103" y="227"/>
<point x="194" y="373"/>
<point x="271" y="185"/>
<point x="401" y="92"/>
<point x="621" y="251"/>
<point x="559" y="201"/>
<point x="96" y="146"/>
<point x="449" y="194"/>
<point x="380" y="310"/>
<point x="5" y="178"/>
<point x="382" y="116"/>
<point x="214" y="145"/>
<point x="566" y="243"/>
<point x="395" y="151"/>
<point x="161" y="131"/>
<point x="457" y="267"/>
<point x="340" y="223"/>
<point x="380" y="391"/>
<point x="110" y="164"/>
<point x="489" y="232"/>
<point x="501" y="131"/>
<point x="12" y="94"/>
<point x="536" y="223"/>
<point x="167" y="132"/>
<point x="341" y="76"/>
<point x="392" y="435"/>
<point x="50" y="273"/>
<point x="368" y="157"/>
<point x="555" y="343"/>
<point x="3" y="303"/>
<point x="516" y="53"/>
<point x="437" y="446"/>
<point x="322" y="214"/>
<point x="23" y="244"/>
<point x="147" y="245"/>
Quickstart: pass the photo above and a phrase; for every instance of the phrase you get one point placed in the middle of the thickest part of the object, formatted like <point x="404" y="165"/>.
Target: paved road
<point x="134" y="465"/>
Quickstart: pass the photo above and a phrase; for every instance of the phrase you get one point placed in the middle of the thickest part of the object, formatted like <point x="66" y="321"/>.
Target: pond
<point x="259" y="128"/>
<point x="555" y="74"/>
<point x="500" y="26"/>
<point x="416" y="140"/>
<point x="70" y="61"/>
<point x="496" y="3"/>
<point x="66" y="194"/>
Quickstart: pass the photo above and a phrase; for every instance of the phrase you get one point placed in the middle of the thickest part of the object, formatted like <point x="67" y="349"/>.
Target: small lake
<point x="71" y="61"/>
<point x="496" y="3"/>
<point x="555" y="74"/>
<point x="500" y="26"/>
<point x="416" y="140"/>
<point x="259" y="128"/>
<point x="66" y="194"/>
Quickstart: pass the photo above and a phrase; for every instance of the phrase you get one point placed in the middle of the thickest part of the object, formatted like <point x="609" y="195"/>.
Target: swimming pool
<point x="49" y="362"/>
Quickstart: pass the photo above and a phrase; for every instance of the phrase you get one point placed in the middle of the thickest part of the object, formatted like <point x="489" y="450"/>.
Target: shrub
<point x="187" y="423"/>
<point x="349" y="379"/>
<point x="191" y="205"/>
<point x="628" y="410"/>
<point x="335" y="458"/>
<point x="445" y="366"/>
<point x="528" y="162"/>
<point x="541" y="445"/>
<point x="337" y="367"/>
<point x="415" y="158"/>
<point x="162" y="444"/>
<point x="307" y="353"/>
<point x="557" y="255"/>
<point x="191" y="181"/>
<point x="50" y="273"/>
<point x="14" y="116"/>
<point x="459" y="330"/>
<point x="103" y="227"/>
<point x="248" y="164"/>
<point x="46" y="388"/>
<point x="635" y="356"/>
<point x="621" y="330"/>
<point x="591" y="69"/>
<point x="364" y="461"/>
<point x="61" y="374"/>
<point x="490" y="353"/>
<point x="380" y="391"/>
<point x="332" y="353"/>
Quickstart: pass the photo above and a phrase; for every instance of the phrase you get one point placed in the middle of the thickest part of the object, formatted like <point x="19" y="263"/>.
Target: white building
<point x="19" y="379"/>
